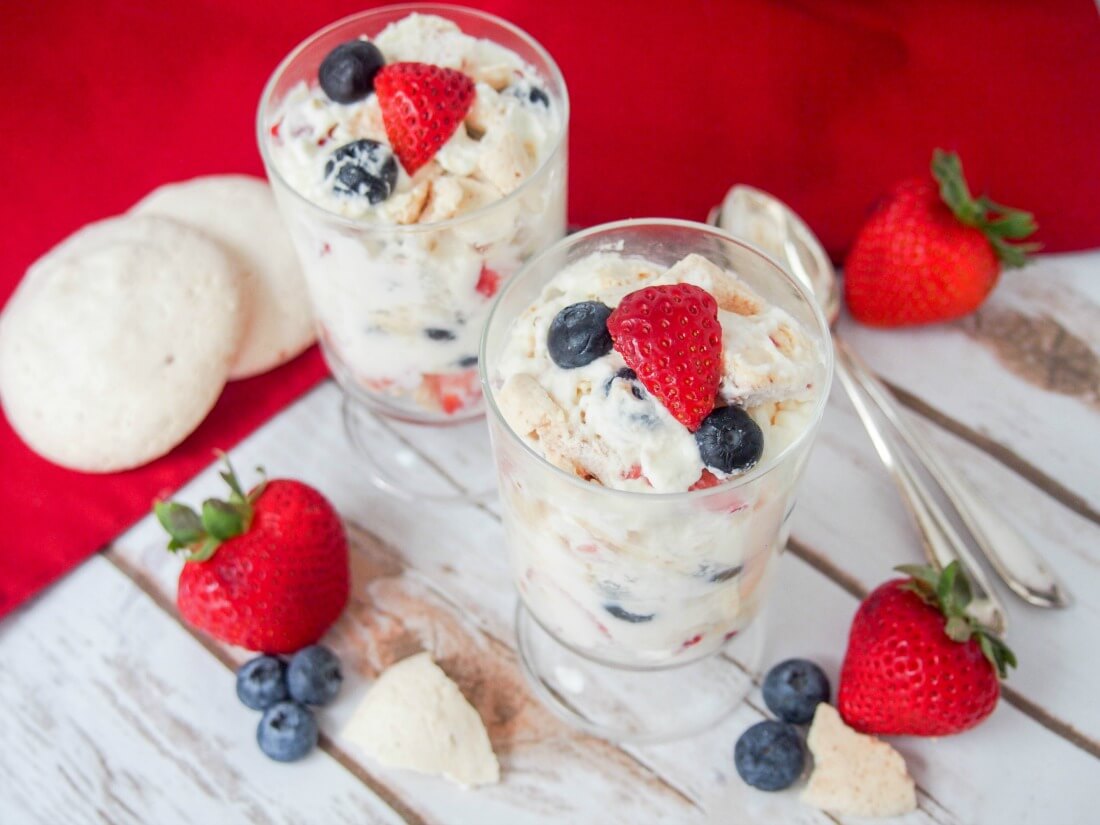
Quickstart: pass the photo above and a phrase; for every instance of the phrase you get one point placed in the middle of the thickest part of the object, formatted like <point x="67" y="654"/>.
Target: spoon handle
<point x="941" y="541"/>
<point x="1010" y="554"/>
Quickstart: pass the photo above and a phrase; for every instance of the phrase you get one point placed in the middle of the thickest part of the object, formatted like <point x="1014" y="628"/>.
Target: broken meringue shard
<point x="415" y="717"/>
<point x="855" y="774"/>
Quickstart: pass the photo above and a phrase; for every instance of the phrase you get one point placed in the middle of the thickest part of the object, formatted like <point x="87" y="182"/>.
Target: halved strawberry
<point x="670" y="336"/>
<point x="422" y="106"/>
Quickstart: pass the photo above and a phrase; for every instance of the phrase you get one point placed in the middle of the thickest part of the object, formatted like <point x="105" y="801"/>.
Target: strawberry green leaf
<point x="205" y="551"/>
<point x="182" y="523"/>
<point x="960" y="594"/>
<point x="958" y="629"/>
<point x="1013" y="224"/>
<point x="231" y="479"/>
<point x="949" y="592"/>
<point x="222" y="520"/>
<point x="997" y="222"/>
<point x="922" y="572"/>
<point x="1013" y="255"/>
<point x="923" y="591"/>
<point x="997" y="653"/>
<point x="945" y="587"/>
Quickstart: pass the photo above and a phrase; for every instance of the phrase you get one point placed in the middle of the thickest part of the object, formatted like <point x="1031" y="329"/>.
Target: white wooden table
<point x="111" y="710"/>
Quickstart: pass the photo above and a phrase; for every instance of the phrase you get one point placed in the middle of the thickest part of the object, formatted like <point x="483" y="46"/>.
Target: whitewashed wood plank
<point x="115" y="714"/>
<point x="955" y="368"/>
<point x="458" y="552"/>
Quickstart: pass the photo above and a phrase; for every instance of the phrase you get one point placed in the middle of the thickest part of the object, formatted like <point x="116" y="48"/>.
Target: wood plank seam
<point x="1033" y="711"/>
<point x="375" y="785"/>
<point x="997" y="451"/>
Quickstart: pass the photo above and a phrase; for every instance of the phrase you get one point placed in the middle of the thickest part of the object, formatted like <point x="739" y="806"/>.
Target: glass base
<point x="393" y="466"/>
<point x="633" y="705"/>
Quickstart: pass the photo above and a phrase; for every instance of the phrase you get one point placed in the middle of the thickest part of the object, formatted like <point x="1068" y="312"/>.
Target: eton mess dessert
<point x="417" y="166"/>
<point x="676" y="405"/>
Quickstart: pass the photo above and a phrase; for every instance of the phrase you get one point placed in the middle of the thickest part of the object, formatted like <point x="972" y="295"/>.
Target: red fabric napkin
<point x="823" y="103"/>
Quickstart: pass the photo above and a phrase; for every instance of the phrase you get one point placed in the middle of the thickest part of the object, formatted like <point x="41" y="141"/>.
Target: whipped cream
<point x="607" y="427"/>
<point x="511" y="129"/>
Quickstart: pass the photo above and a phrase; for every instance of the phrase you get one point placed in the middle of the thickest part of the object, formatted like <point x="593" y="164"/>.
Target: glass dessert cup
<point x="379" y="289"/>
<point x="638" y="617"/>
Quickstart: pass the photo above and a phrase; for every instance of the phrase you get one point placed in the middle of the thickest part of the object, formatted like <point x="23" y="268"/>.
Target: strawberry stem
<point x="999" y="223"/>
<point x="949" y="592"/>
<point x="200" y="536"/>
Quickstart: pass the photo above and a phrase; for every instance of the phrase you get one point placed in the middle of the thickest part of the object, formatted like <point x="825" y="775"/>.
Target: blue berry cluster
<point x="770" y="755"/>
<point x="283" y="691"/>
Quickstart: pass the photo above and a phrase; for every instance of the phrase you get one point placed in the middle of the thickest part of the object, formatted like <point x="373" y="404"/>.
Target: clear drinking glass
<point x="381" y="291"/>
<point x="697" y="565"/>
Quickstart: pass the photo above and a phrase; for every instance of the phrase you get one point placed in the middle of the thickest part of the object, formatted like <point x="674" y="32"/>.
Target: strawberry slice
<point x="670" y="336"/>
<point x="488" y="282"/>
<point x="422" y="106"/>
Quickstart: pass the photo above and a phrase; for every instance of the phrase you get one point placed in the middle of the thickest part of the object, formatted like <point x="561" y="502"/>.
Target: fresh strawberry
<point x="267" y="571"/>
<point x="916" y="662"/>
<point x="930" y="251"/>
<point x="670" y="336"/>
<point x="422" y="106"/>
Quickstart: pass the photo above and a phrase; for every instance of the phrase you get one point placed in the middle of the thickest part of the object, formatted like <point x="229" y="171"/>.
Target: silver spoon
<point x="762" y="219"/>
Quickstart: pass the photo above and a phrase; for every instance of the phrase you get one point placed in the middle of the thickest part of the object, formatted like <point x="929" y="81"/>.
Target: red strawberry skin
<point x="914" y="262"/>
<point x="281" y="585"/>
<point x="903" y="675"/>
<point x="670" y="336"/>
<point x="422" y="106"/>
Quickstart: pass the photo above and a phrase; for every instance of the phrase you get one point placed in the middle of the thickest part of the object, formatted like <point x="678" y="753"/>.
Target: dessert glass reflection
<point x="638" y="553"/>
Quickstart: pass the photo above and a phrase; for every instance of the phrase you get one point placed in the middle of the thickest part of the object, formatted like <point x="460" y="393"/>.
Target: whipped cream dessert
<point x="621" y="401"/>
<point x="435" y="166"/>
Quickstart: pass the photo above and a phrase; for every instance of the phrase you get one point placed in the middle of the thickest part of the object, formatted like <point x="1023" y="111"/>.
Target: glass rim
<point x="757" y="472"/>
<point x="547" y="163"/>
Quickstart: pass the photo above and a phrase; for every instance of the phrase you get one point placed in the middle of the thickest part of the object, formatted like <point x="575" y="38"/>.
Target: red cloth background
<point x="823" y="103"/>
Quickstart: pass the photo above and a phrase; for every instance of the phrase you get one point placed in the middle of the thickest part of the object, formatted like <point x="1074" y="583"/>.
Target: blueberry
<point x="261" y="682"/>
<point x="626" y="615"/>
<point x="468" y="361"/>
<point x="794" y="688"/>
<point x="287" y="731"/>
<point x="347" y="72"/>
<point x="729" y="440"/>
<point x="578" y="334"/>
<point x="439" y="334"/>
<point x="314" y="675"/>
<point x="528" y="92"/>
<point x="769" y="755"/>
<point x="363" y="168"/>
